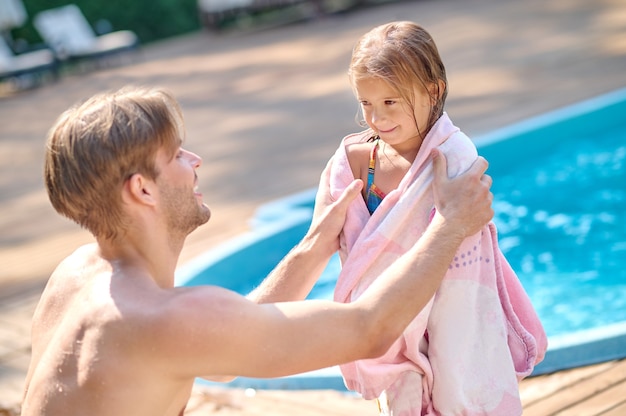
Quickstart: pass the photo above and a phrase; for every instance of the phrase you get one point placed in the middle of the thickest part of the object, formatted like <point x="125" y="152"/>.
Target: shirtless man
<point x="113" y="336"/>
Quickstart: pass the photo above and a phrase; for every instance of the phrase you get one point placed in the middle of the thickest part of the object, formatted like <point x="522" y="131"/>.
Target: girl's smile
<point x="399" y="123"/>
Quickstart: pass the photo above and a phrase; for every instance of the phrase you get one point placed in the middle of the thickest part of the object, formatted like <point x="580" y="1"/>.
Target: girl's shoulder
<point x="358" y="143"/>
<point x="363" y="136"/>
<point x="358" y="150"/>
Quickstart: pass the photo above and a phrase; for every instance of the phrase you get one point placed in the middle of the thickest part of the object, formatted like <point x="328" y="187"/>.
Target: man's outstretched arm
<point x="465" y="200"/>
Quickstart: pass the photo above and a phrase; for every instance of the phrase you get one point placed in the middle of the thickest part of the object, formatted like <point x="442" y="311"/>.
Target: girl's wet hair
<point x="404" y="55"/>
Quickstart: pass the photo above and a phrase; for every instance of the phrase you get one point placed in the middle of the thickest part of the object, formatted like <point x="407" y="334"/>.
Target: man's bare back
<point x="93" y="343"/>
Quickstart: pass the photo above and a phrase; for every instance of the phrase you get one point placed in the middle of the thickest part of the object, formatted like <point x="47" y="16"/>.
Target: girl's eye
<point x="389" y="102"/>
<point x="364" y="103"/>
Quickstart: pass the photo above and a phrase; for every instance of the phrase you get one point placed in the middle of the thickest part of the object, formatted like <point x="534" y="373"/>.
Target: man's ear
<point x="140" y="189"/>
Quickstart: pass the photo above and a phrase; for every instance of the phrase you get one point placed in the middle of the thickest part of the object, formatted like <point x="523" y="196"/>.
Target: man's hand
<point x="296" y="274"/>
<point x="464" y="201"/>
<point x="329" y="215"/>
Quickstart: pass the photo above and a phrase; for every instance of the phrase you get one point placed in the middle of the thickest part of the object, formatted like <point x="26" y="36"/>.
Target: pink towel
<point x="466" y="351"/>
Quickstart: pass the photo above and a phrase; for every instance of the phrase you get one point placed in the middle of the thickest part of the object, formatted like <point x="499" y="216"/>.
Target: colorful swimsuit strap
<point x="374" y="195"/>
<point x="372" y="167"/>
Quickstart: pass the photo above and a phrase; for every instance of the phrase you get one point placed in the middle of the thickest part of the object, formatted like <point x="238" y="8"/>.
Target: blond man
<point x="112" y="335"/>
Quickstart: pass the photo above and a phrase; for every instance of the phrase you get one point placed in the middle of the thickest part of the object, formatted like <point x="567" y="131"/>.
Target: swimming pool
<point x="560" y="201"/>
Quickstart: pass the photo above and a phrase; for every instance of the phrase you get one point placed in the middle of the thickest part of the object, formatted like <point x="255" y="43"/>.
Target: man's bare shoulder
<point x="76" y="265"/>
<point x="194" y="324"/>
<point x="181" y="306"/>
<point x="65" y="282"/>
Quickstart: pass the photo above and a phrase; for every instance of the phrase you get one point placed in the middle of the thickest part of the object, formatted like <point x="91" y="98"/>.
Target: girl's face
<point x="389" y="115"/>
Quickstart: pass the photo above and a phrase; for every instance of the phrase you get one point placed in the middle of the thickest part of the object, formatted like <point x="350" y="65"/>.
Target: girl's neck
<point x="401" y="153"/>
<point x="394" y="163"/>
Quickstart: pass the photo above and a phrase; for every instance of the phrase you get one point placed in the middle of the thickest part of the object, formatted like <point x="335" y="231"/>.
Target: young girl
<point x="466" y="352"/>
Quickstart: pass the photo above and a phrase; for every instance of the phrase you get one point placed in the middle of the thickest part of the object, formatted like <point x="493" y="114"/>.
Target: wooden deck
<point x="265" y="110"/>
<point x="589" y="391"/>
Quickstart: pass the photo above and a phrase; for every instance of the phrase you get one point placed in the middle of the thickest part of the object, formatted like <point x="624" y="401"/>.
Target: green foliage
<point x="150" y="19"/>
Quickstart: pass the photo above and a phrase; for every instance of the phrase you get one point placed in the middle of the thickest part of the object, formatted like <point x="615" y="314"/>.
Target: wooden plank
<point x="534" y="389"/>
<point x="317" y="403"/>
<point x="619" y="410"/>
<point x="578" y="392"/>
<point x="600" y="403"/>
<point x="235" y="402"/>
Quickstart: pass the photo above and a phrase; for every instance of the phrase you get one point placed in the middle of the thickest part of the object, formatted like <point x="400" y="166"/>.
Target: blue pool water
<point x="561" y="217"/>
<point x="560" y="202"/>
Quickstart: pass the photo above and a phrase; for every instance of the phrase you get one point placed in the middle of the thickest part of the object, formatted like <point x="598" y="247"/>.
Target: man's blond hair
<point x="96" y="146"/>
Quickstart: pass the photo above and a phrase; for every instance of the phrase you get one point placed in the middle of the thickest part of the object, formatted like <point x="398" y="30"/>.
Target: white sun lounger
<point x="66" y="30"/>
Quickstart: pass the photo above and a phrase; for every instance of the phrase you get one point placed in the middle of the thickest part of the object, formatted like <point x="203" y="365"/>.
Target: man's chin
<point x="204" y="216"/>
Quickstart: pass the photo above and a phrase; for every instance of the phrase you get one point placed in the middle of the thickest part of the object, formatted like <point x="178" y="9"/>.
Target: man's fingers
<point x="325" y="176"/>
<point x="465" y="199"/>
<point x="479" y="166"/>
<point x="440" y="164"/>
<point x="351" y="191"/>
<point x="488" y="180"/>
<point x="323" y="199"/>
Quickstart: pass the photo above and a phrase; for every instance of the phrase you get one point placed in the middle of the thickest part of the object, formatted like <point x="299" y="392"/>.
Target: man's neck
<point x="157" y="257"/>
